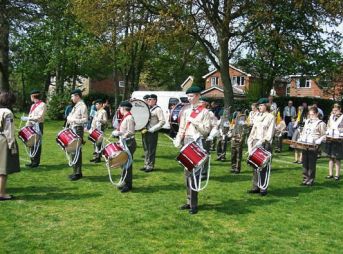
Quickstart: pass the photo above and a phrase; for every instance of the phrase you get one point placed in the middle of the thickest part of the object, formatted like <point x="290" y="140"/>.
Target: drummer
<point x="76" y="120"/>
<point x="145" y="149"/>
<point x="313" y="133"/>
<point x="126" y="131"/>
<point x="192" y="128"/>
<point x="334" y="149"/>
<point x="156" y="122"/>
<point x="98" y="122"/>
<point x="261" y="134"/>
<point x="36" y="119"/>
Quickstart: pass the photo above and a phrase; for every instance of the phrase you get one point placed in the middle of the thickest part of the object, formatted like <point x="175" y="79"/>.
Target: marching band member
<point x="213" y="133"/>
<point x="223" y="137"/>
<point x="156" y="122"/>
<point x="76" y="120"/>
<point x="279" y="131"/>
<point x="36" y="119"/>
<point x="195" y="125"/>
<point x="146" y="100"/>
<point x="9" y="156"/>
<point x="126" y="130"/>
<point x="261" y="134"/>
<point x="334" y="149"/>
<point x="99" y="122"/>
<point x="237" y="141"/>
<point x="312" y="133"/>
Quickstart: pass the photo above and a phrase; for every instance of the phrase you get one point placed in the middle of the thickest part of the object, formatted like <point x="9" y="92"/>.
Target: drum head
<point x="141" y="113"/>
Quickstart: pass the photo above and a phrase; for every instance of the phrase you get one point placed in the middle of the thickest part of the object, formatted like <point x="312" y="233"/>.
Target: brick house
<point x="300" y="86"/>
<point x="214" y="86"/>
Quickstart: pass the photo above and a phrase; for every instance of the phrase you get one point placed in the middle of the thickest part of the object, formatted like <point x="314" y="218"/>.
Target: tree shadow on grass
<point x="157" y="188"/>
<point x="295" y="190"/>
<point x="232" y="206"/>
<point x="58" y="196"/>
<point x="38" y="189"/>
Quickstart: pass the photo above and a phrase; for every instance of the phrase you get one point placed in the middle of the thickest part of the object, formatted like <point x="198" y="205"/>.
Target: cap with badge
<point x="194" y="89"/>
<point x="147" y="96"/>
<point x="76" y="91"/>
<point x="263" y="101"/>
<point x="126" y="104"/>
<point x="34" y="91"/>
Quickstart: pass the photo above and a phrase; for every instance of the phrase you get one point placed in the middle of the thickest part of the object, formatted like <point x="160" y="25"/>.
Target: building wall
<point x="232" y="72"/>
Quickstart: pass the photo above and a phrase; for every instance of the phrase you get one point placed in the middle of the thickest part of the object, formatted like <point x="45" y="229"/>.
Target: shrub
<point x="57" y="104"/>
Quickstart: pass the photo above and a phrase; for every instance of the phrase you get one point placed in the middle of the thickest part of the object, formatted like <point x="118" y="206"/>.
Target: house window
<point x="303" y="83"/>
<point x="214" y="81"/>
<point x="288" y="90"/>
<point x="237" y="80"/>
<point x="121" y="83"/>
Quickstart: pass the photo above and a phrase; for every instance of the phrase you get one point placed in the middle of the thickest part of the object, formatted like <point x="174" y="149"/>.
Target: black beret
<point x="76" y="91"/>
<point x="194" y="89"/>
<point x="153" y="96"/>
<point x="34" y="91"/>
<point x="147" y="96"/>
<point x="125" y="104"/>
<point x="99" y="101"/>
<point x="263" y="101"/>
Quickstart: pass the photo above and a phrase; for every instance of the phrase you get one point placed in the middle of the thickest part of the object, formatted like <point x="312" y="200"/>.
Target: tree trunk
<point x="224" y="72"/>
<point x="4" y="45"/>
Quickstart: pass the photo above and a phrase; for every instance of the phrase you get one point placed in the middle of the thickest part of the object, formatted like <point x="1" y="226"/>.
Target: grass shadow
<point x="38" y="189"/>
<point x="57" y="196"/>
<point x="236" y="207"/>
<point x="157" y="188"/>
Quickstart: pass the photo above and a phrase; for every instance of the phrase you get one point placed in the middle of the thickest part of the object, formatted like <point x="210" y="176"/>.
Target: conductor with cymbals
<point x="76" y="120"/>
<point x="195" y="125"/>
<point x="36" y="119"/>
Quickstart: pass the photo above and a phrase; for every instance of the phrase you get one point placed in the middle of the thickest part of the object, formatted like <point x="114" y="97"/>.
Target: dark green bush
<point x="57" y="104"/>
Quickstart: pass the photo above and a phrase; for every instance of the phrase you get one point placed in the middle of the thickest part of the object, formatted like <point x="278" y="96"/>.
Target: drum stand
<point x="125" y="167"/>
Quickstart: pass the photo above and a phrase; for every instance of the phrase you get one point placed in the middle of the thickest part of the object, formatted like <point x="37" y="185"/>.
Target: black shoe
<point x="193" y="210"/>
<point x="185" y="207"/>
<point x="253" y="191"/>
<point x="142" y="169"/>
<point x="34" y="166"/>
<point x="309" y="184"/>
<point x="329" y="177"/>
<point x="92" y="160"/>
<point x="75" y="177"/>
<point x="126" y="189"/>
<point x="147" y="170"/>
<point x="237" y="172"/>
<point x="218" y="159"/>
<point x="223" y="159"/>
<point x="263" y="193"/>
<point x="28" y="165"/>
<point x="98" y="160"/>
<point x="337" y="178"/>
<point x="233" y="170"/>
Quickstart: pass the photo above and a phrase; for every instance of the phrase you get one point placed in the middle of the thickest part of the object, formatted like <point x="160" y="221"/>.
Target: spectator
<point x="289" y="112"/>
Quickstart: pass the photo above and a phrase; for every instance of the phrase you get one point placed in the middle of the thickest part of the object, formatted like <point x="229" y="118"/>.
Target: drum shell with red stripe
<point x="192" y="156"/>
<point x="68" y="140"/>
<point x="259" y="157"/>
<point x="29" y="136"/>
<point x="115" y="155"/>
<point x="96" y="136"/>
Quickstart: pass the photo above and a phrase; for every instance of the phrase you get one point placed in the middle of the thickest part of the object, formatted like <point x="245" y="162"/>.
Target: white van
<point x="164" y="99"/>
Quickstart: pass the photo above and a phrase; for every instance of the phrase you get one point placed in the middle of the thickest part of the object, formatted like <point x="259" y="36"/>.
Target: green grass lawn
<point x="54" y="215"/>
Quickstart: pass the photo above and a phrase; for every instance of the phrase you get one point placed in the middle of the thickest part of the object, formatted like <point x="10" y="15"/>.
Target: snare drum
<point x="192" y="156"/>
<point x="96" y="136"/>
<point x="115" y="155"/>
<point x="259" y="157"/>
<point x="68" y="140"/>
<point x="29" y="136"/>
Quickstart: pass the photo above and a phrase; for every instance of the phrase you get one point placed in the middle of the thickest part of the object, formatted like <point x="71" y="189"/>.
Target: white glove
<point x="24" y="118"/>
<point x="209" y="138"/>
<point x="70" y="119"/>
<point x="177" y="142"/>
<point x="259" y="143"/>
<point x="116" y="133"/>
<point x="318" y="141"/>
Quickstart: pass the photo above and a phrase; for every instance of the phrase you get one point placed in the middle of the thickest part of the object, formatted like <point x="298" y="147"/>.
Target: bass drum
<point x="175" y="114"/>
<point x="141" y="113"/>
